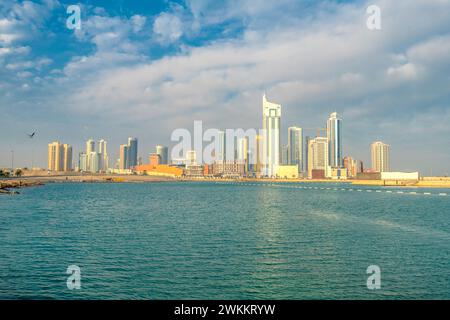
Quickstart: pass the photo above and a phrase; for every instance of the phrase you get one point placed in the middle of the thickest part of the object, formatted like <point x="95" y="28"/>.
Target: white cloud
<point x="407" y="71"/>
<point x="138" y="23"/>
<point x="168" y="27"/>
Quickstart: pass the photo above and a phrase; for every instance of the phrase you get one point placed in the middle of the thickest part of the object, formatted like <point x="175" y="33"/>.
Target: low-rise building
<point x="232" y="169"/>
<point x="194" y="171"/>
<point x="403" y="176"/>
<point x="338" y="173"/>
<point x="287" y="172"/>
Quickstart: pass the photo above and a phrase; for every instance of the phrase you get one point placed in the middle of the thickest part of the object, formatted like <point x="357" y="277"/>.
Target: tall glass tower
<point x="271" y="143"/>
<point x="334" y="135"/>
<point x="295" y="147"/>
<point x="132" y="152"/>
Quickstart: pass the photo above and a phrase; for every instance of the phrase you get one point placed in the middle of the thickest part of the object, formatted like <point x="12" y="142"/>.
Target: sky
<point x="144" y="68"/>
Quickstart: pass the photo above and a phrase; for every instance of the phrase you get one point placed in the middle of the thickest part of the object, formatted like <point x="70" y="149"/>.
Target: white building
<point x="400" y="176"/>
<point x="104" y="159"/>
<point x="334" y="136"/>
<point x="191" y="157"/>
<point x="271" y="140"/>
<point x="243" y="151"/>
<point x="220" y="151"/>
<point x="380" y="156"/>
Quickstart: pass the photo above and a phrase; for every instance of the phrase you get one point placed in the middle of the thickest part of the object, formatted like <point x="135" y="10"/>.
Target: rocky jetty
<point x="9" y="186"/>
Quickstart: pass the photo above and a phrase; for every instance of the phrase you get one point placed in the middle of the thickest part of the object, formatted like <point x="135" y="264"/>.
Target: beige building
<point x="59" y="157"/>
<point x="380" y="156"/>
<point x="233" y="169"/>
<point x="287" y="172"/>
<point x="353" y="166"/>
<point x="67" y="157"/>
<point x="256" y="158"/>
<point x="123" y="153"/>
<point x="317" y="155"/>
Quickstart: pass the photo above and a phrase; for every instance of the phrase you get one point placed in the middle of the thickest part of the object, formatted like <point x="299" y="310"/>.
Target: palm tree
<point x="18" y="173"/>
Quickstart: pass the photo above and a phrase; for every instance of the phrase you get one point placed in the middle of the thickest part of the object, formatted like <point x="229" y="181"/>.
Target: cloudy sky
<point x="145" y="67"/>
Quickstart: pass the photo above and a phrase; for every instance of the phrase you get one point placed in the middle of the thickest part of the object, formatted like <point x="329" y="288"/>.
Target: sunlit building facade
<point x="271" y="141"/>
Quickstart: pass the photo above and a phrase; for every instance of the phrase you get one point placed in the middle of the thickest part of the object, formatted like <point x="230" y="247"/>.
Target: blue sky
<point x="144" y="68"/>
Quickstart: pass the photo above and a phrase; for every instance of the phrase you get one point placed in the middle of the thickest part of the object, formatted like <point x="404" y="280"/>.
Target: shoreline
<point x="29" y="181"/>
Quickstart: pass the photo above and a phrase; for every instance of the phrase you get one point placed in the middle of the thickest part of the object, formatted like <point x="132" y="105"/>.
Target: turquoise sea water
<point x="224" y="241"/>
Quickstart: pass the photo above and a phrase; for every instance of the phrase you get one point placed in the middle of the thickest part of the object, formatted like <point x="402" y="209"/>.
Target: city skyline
<point x="323" y="154"/>
<point x="388" y="85"/>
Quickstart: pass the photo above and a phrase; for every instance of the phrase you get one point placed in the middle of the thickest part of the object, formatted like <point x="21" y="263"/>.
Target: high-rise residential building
<point x="271" y="141"/>
<point x="257" y="155"/>
<point x="163" y="153"/>
<point x="191" y="157"/>
<point x="90" y="147"/>
<point x="380" y="156"/>
<point x="307" y="139"/>
<point x="94" y="162"/>
<point x="132" y="153"/>
<point x="243" y="152"/>
<point x="104" y="158"/>
<point x="221" y="147"/>
<point x="82" y="162"/>
<point x="55" y="156"/>
<point x="123" y="154"/>
<point x="334" y="135"/>
<point x="67" y="157"/>
<point x="59" y="157"/>
<point x="295" y="150"/>
<point x="285" y="154"/>
<point x="317" y="155"/>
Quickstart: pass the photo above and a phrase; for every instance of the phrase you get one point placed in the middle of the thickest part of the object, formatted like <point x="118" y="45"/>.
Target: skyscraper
<point x="103" y="152"/>
<point x="295" y="149"/>
<point x="123" y="153"/>
<point x="59" y="157"/>
<point x="334" y="135"/>
<point x="271" y="141"/>
<point x="55" y="156"/>
<point x="285" y="154"/>
<point x="132" y="153"/>
<point x="221" y="147"/>
<point x="317" y="155"/>
<point x="307" y="139"/>
<point x="67" y="157"/>
<point x="82" y="162"/>
<point x="94" y="162"/>
<point x="90" y="147"/>
<point x="163" y="153"/>
<point x="243" y="152"/>
<point x="256" y="155"/>
<point x="380" y="156"/>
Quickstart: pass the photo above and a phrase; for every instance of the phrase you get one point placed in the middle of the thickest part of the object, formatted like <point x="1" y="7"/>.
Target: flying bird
<point x="31" y="135"/>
